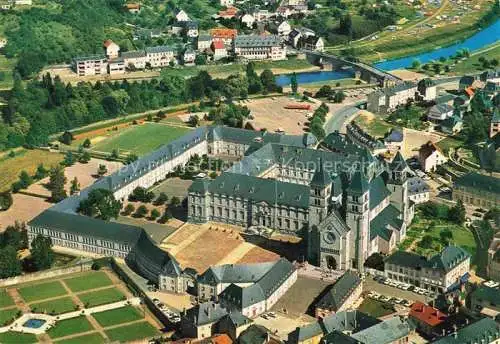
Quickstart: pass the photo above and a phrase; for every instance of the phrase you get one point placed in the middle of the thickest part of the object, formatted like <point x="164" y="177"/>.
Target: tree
<point x="268" y="81"/>
<point x="69" y="159"/>
<point x="426" y="242"/>
<point x="84" y="157"/>
<point x="445" y="236"/>
<point x="175" y="201"/>
<point x="345" y="26"/>
<point x="102" y="170"/>
<point x="101" y="204"/>
<point x="15" y="235"/>
<point x="25" y="179"/>
<point x="5" y="200"/>
<point x="41" y="172"/>
<point x="154" y="214"/>
<point x="131" y="158"/>
<point x="142" y="211"/>
<point x="457" y="213"/>
<point x="416" y="64"/>
<point x="141" y="194"/>
<point x="293" y="83"/>
<point x="86" y="143"/>
<point x="41" y="252"/>
<point x="56" y="184"/>
<point x="194" y="121"/>
<point x="339" y="97"/>
<point x="10" y="265"/>
<point x="375" y="261"/>
<point x="161" y="199"/>
<point x="114" y="154"/>
<point x="200" y="59"/>
<point x="75" y="187"/>
<point x="66" y="138"/>
<point x="129" y="209"/>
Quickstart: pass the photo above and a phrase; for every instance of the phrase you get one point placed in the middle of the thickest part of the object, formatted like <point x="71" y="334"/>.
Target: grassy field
<point x="69" y="327"/>
<point x="42" y="291"/>
<point x="448" y="143"/>
<point x="472" y="64"/>
<point x="24" y="160"/>
<point x="5" y="299"/>
<point x="373" y="125"/>
<point x="117" y="316"/>
<point x="132" y="332"/>
<point x="376" y="308"/>
<point x="141" y="139"/>
<point x="57" y="306"/>
<point x="93" y="338"/>
<point x="7" y="316"/>
<point x="6" y="67"/>
<point x="87" y="281"/>
<point x="17" y="338"/>
<point x="101" y="297"/>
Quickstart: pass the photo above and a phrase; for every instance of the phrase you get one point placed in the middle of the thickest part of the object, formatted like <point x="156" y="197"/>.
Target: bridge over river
<point x="362" y="70"/>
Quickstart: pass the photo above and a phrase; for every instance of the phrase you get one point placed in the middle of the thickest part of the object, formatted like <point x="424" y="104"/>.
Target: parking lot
<point x="392" y="291"/>
<point x="279" y="324"/>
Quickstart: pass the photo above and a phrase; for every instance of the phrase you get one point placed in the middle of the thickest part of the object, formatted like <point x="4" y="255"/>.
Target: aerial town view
<point x="250" y="171"/>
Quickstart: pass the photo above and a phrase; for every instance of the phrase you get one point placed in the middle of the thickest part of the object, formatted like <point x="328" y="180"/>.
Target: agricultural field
<point x="88" y="281"/>
<point x="139" y="140"/>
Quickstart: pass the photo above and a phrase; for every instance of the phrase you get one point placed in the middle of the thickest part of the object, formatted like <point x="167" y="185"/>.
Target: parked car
<point x="491" y="284"/>
<point x="156" y="302"/>
<point x="271" y="314"/>
<point x="407" y="303"/>
<point x="384" y="298"/>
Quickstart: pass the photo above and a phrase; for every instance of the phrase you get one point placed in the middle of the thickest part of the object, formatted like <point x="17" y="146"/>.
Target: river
<point x="479" y="40"/>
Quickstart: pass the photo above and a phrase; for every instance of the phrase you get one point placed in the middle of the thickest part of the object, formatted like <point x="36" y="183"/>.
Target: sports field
<point x="139" y="139"/>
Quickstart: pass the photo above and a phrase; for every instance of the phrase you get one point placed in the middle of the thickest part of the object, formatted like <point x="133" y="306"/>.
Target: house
<point x="190" y="28"/>
<point x="258" y="334"/>
<point x="442" y="272"/>
<point x="159" y="56"/>
<point x="485" y="300"/>
<point x="297" y="34"/>
<point x="112" y="49"/>
<point x="427" y="89"/>
<point x="430" y="157"/>
<point x="495" y="123"/>
<point x="477" y="190"/>
<point x="465" y="82"/>
<point x="253" y="47"/>
<point x="219" y="50"/>
<point x="313" y="43"/>
<point x="233" y="324"/>
<point x="226" y="3"/>
<point x="189" y="56"/>
<point x="339" y="296"/>
<point x="204" y="41"/>
<point x="452" y="125"/>
<point x="284" y="11"/>
<point x="388" y="98"/>
<point x="228" y="13"/>
<point x="133" y="7"/>
<point x="90" y="65"/>
<point x="393" y="330"/>
<point x="248" y="20"/>
<point x="440" y="112"/>
<point x="201" y="321"/>
<point x="181" y="16"/>
<point x="134" y="59"/>
<point x="225" y="35"/>
<point x="394" y="140"/>
<point x="489" y="154"/>
<point x="418" y="190"/>
<point x="284" y="29"/>
<point x="485" y="331"/>
<point x="116" y="66"/>
<point x="428" y="320"/>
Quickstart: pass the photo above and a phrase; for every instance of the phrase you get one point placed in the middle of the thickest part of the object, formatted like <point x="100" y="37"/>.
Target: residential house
<point x="418" y="190"/>
<point x="133" y="7"/>
<point x="440" y="112"/>
<point x="228" y="13"/>
<point x="116" y="66"/>
<point x="465" y="82"/>
<point x="253" y="47"/>
<point x="90" y="65"/>
<point x="394" y="140"/>
<point x="490" y="75"/>
<point x="190" y="28"/>
<point x="226" y="3"/>
<point x="294" y="38"/>
<point x="427" y="89"/>
<point x="134" y="59"/>
<point x="189" y="56"/>
<point x="313" y="43"/>
<point x="387" y="99"/>
<point x="219" y="50"/>
<point x="461" y="103"/>
<point x="159" y="56"/>
<point x="225" y="35"/>
<point x="477" y="190"/>
<point x="204" y="41"/>
<point x="339" y="296"/>
<point x="111" y="48"/>
<point x="430" y="157"/>
<point x="495" y="123"/>
<point x="492" y="88"/>
<point x="233" y="324"/>
<point x="485" y="300"/>
<point x="248" y="20"/>
<point x="284" y="29"/>
<point x="201" y="321"/>
<point x="428" y="320"/>
<point x="452" y="125"/>
<point x="484" y="331"/>
<point x="442" y="272"/>
<point x="181" y="16"/>
<point x="393" y="330"/>
<point x="284" y="11"/>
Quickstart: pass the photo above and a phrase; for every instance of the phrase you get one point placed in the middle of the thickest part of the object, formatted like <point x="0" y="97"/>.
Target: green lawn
<point x="376" y="308"/>
<point x="94" y="338"/>
<point x="101" y="297"/>
<point x="42" y="291"/>
<point x="7" y="316"/>
<point x="87" y="281"/>
<point x="132" y="332"/>
<point x="5" y="299"/>
<point x="140" y="139"/>
<point x="117" y="316"/>
<point x="70" y="326"/>
<point x="374" y="126"/>
<point x="448" y="143"/>
<point x="472" y="64"/>
<point x="57" y="306"/>
<point x="17" y="338"/>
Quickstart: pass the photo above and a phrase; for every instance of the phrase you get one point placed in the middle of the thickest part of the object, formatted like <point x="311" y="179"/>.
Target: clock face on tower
<point x="329" y="237"/>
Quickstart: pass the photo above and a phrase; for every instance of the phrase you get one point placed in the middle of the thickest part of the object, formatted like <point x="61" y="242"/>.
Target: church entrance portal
<point x="331" y="263"/>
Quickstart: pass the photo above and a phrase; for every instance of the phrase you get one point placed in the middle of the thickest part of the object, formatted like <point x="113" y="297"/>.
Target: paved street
<point x="339" y="118"/>
<point x="371" y="285"/>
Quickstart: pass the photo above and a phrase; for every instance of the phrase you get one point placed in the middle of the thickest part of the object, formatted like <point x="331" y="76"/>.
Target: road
<point x="339" y="117"/>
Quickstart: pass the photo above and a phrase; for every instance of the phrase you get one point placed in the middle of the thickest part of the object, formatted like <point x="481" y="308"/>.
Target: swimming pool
<point x="34" y="323"/>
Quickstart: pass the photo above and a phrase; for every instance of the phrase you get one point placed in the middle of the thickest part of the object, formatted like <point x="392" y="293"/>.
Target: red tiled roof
<point x="427" y="314"/>
<point x="218" y="45"/>
<point x="107" y="43"/>
<point x="133" y="6"/>
<point x="223" y="33"/>
<point x="470" y="92"/>
<point x="221" y="339"/>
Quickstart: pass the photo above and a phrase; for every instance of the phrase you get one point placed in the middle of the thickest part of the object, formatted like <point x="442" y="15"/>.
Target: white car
<point x="156" y="302"/>
<point x="491" y="284"/>
<point x="384" y="298"/>
<point x="398" y="300"/>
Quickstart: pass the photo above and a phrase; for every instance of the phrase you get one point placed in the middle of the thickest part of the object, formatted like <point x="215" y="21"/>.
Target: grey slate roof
<point x="378" y="192"/>
<point x="485" y="329"/>
<point x="248" y="41"/>
<point x="388" y="218"/>
<point x="446" y="260"/>
<point x="159" y="49"/>
<point x="90" y="57"/>
<point x="205" y="313"/>
<point x="321" y="177"/>
<point x="359" y="183"/>
<point x="339" y="291"/>
<point x="235" y="273"/>
<point x="254" y="334"/>
<point x="133" y="54"/>
<point x="386" y="332"/>
<point x="352" y="321"/>
<point x="305" y="332"/>
<point x="417" y="185"/>
<point x="479" y="182"/>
